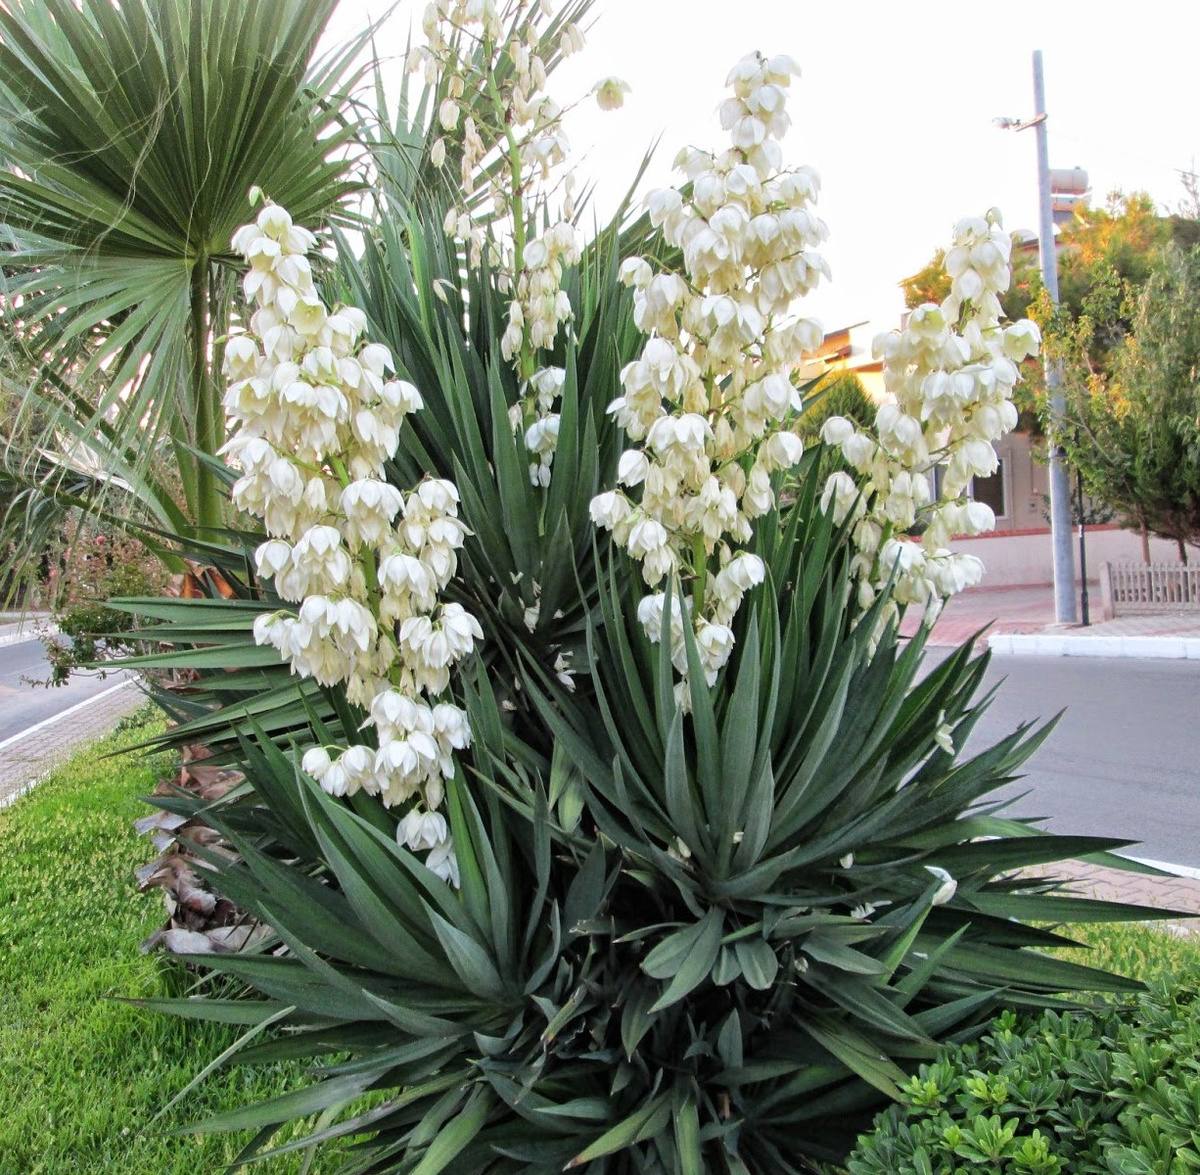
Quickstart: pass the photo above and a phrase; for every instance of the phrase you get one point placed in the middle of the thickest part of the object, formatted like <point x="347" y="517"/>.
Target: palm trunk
<point x="208" y="508"/>
<point x="1145" y="542"/>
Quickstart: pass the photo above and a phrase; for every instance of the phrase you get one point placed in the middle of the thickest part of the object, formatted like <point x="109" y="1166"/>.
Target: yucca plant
<point x="701" y="944"/>
<point x="712" y="897"/>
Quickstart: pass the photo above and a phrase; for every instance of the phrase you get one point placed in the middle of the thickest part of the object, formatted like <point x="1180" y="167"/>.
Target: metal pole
<point x="1085" y="616"/>
<point x="1060" y="486"/>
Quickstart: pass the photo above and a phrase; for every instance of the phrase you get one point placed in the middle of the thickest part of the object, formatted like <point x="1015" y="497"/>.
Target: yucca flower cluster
<point x="523" y="128"/>
<point x="317" y="412"/>
<point x="950" y="375"/>
<point x="711" y="397"/>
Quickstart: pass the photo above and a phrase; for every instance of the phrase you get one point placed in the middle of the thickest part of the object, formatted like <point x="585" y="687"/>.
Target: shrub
<point x="95" y="566"/>
<point x="1114" y="1093"/>
<point x="841" y="393"/>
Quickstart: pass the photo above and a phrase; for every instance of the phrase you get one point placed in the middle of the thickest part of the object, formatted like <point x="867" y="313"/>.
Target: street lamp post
<point x="1060" y="485"/>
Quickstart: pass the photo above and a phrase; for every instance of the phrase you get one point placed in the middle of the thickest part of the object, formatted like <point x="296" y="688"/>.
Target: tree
<point x="1132" y="425"/>
<point x="931" y="283"/>
<point x="1159" y="368"/>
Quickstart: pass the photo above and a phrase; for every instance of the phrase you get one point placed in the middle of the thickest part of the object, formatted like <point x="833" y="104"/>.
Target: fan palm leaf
<point x="130" y="138"/>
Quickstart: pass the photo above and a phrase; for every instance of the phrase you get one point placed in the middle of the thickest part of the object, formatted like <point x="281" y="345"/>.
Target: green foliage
<point x="130" y="137"/>
<point x="92" y="568"/>
<point x="932" y="284"/>
<point x="698" y="943"/>
<point x="687" y="939"/>
<point x="1114" y="1093"/>
<point x="1133" y="417"/>
<point x="840" y="393"/>
<point x="82" y="1075"/>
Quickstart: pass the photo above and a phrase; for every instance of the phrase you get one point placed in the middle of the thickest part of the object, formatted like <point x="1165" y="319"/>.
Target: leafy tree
<point x="1129" y="360"/>
<point x="931" y="283"/>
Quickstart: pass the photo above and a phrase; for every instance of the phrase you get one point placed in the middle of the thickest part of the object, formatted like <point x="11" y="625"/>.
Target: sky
<point x="894" y="108"/>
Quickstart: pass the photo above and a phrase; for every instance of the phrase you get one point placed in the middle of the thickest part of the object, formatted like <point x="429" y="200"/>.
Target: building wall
<point x="1026" y="480"/>
<point x="1014" y="559"/>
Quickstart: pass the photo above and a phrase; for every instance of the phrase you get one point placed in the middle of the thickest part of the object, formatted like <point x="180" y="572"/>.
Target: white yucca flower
<point x="316" y="415"/>
<point x="749" y="239"/>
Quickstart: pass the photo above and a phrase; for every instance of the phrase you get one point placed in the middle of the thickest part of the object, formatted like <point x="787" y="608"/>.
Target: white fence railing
<point x="1148" y="587"/>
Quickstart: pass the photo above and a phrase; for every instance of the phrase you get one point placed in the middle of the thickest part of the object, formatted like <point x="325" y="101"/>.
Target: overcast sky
<point x="894" y="108"/>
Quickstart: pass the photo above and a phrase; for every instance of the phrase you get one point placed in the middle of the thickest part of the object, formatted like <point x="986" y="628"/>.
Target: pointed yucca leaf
<point x="696" y="967"/>
<point x="1031" y="970"/>
<point x="939" y="1021"/>
<point x="760" y="812"/>
<point x="289" y="981"/>
<point x="739" y="727"/>
<point x="664" y="672"/>
<point x="234" y="654"/>
<point x="665" y="960"/>
<point x="563" y="485"/>
<point x="225" y="1055"/>
<point x="324" y="914"/>
<point x="864" y="1002"/>
<point x="636" y="1018"/>
<point x="826" y="948"/>
<point x="401" y="939"/>
<point x="758" y="962"/>
<point x="359" y="1124"/>
<point x="682" y="806"/>
<point x="299" y="1103"/>
<point x="475" y="970"/>
<point x="641" y="1124"/>
<point x="1056" y="908"/>
<point x="453" y="1138"/>
<point x="245" y="1012"/>
<point x="587" y="889"/>
<point x="495" y="886"/>
<point x="922" y="969"/>
<point x="714" y="808"/>
<point x="687" y="1138"/>
<point x="1018" y="852"/>
<point x="857" y="1052"/>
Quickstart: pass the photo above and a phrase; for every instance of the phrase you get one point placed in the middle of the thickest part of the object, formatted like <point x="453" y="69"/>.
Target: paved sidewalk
<point x="27" y="757"/>
<point x="1026" y="615"/>
<point x="999" y="610"/>
<point x="16" y="629"/>
<point x="1139" y="889"/>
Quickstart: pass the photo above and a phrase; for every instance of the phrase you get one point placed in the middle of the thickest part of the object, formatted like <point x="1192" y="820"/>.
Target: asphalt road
<point x="23" y="705"/>
<point x="1125" y="758"/>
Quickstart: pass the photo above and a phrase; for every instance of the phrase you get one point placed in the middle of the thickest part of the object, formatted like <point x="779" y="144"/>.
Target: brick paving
<point x="1006" y="609"/>
<point x="1139" y="889"/>
<point x="27" y="760"/>
<point x="1156" y="624"/>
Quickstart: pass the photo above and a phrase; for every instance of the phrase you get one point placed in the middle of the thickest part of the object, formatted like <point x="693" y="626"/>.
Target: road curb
<point x="1045" y="644"/>
<point x="18" y="634"/>
<point x="29" y="755"/>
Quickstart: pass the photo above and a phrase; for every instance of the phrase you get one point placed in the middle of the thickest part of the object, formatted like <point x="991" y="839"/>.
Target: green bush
<point x="841" y="393"/>
<point x="1115" y="1093"/>
<point x="721" y="950"/>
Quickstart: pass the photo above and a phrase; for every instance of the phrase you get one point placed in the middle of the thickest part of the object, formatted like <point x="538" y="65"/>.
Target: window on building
<point x="990" y="491"/>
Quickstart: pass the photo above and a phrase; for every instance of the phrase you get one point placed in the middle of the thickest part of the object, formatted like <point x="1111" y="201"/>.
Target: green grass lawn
<point x="81" y="1074"/>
